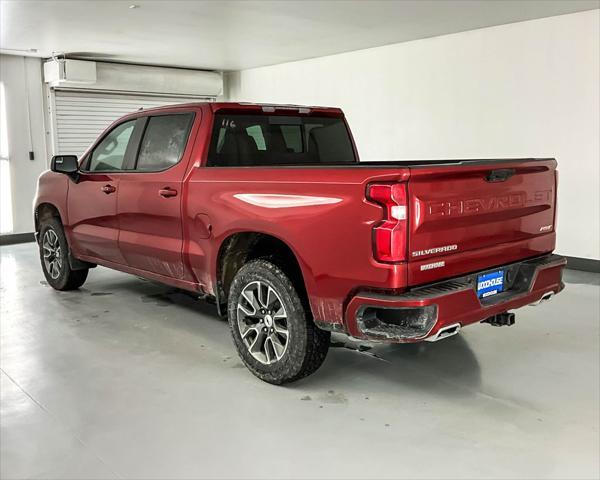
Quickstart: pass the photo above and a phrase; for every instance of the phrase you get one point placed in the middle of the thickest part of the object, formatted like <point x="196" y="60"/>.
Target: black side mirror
<point x="66" y="164"/>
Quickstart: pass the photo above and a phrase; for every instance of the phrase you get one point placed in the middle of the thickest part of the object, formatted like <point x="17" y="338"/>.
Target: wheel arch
<point x="241" y="247"/>
<point x="43" y="211"/>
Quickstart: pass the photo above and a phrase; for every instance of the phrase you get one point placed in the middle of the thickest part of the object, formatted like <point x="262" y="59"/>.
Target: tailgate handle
<point x="500" y="175"/>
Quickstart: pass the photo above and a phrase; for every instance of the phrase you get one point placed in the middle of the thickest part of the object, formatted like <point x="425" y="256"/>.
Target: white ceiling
<point x="232" y="35"/>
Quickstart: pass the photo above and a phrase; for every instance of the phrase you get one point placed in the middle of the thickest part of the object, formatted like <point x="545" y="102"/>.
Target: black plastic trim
<point x="527" y="268"/>
<point x="583" y="264"/>
<point x="15" y="238"/>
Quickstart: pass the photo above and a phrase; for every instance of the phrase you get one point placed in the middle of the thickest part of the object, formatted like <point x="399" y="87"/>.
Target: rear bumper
<point x="421" y="313"/>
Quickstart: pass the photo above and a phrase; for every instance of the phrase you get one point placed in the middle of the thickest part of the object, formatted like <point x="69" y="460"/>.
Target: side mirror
<point x="66" y="164"/>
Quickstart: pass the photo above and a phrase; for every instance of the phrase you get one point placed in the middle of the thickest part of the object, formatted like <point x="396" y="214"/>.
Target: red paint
<point x="169" y="225"/>
<point x="463" y="306"/>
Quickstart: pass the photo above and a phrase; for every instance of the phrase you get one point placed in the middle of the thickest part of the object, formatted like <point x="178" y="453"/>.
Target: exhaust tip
<point x="445" y="332"/>
<point x="545" y="297"/>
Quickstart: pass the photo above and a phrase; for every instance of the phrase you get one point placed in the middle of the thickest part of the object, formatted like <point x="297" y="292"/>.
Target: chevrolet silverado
<point x="266" y="210"/>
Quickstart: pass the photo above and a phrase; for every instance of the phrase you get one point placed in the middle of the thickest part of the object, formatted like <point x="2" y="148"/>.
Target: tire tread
<point x="68" y="279"/>
<point x="316" y="340"/>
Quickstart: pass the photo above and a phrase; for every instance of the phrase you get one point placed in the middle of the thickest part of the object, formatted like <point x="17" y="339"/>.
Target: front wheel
<point x="54" y="251"/>
<point x="272" y="331"/>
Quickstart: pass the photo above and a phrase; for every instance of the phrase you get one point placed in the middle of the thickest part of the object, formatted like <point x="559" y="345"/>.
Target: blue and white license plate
<point x="490" y="283"/>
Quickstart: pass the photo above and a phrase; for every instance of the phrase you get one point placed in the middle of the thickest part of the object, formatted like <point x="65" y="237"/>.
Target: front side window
<point x="269" y="140"/>
<point x="109" y="155"/>
<point x="164" y="142"/>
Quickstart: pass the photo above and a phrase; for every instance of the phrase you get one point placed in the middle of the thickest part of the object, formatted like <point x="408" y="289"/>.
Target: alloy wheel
<point x="53" y="258"/>
<point x="262" y="322"/>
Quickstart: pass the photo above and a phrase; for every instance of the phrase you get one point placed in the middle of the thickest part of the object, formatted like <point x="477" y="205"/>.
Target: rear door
<point x="478" y="214"/>
<point x="149" y="203"/>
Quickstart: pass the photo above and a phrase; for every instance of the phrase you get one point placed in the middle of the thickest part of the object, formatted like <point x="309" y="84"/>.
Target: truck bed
<point x="409" y="163"/>
<point x="447" y="163"/>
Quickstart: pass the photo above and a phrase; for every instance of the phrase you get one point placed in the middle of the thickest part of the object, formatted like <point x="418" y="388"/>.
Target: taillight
<point x="389" y="236"/>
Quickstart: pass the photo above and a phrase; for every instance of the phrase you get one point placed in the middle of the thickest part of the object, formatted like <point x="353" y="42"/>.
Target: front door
<point x="92" y="200"/>
<point x="149" y="206"/>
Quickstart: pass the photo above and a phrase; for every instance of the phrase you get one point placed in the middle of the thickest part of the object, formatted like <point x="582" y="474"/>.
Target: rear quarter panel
<point x="320" y="213"/>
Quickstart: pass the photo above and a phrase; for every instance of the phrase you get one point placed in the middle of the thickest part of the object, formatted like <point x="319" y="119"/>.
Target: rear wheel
<point x="272" y="330"/>
<point x="54" y="252"/>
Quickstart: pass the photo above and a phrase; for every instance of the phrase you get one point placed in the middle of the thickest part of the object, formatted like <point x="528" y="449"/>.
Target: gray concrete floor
<point x="129" y="379"/>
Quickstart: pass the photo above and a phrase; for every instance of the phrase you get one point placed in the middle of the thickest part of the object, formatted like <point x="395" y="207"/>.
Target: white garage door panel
<point x="80" y="117"/>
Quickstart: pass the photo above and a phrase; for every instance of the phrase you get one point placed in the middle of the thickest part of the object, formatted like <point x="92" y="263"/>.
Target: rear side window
<point x="270" y="140"/>
<point x="109" y="155"/>
<point x="164" y="142"/>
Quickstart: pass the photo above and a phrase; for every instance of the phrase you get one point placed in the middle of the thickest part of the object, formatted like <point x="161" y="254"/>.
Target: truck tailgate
<point x="477" y="215"/>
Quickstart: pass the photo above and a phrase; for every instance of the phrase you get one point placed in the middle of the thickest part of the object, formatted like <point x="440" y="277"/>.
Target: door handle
<point x="108" y="189"/>
<point x="167" y="192"/>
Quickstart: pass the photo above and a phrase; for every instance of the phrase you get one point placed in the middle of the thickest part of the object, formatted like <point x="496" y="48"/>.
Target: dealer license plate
<point x="490" y="283"/>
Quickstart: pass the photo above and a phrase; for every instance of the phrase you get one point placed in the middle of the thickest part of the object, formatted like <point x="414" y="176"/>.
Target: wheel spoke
<point x="247" y="312"/>
<point x="250" y="297"/>
<point x="271" y="297"/>
<point x="258" y="343"/>
<point x="248" y="331"/>
<point x="280" y="313"/>
<point x="278" y="347"/>
<point x="263" y="294"/>
<point x="268" y="350"/>
<point x="280" y="330"/>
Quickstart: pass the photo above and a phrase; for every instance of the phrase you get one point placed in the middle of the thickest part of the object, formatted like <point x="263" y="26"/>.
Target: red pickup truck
<point x="267" y="210"/>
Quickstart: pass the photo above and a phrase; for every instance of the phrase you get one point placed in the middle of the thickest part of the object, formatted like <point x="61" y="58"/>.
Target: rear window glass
<point x="270" y="140"/>
<point x="164" y="142"/>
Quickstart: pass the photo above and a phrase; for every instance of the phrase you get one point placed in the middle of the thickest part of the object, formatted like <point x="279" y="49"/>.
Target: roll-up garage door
<point x="79" y="117"/>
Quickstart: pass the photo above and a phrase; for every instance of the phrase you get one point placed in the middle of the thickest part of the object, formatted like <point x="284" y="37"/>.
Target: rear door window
<point x="163" y="142"/>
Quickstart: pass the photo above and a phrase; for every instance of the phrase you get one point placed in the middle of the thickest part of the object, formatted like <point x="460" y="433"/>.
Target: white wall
<point x="528" y="89"/>
<point x="22" y="80"/>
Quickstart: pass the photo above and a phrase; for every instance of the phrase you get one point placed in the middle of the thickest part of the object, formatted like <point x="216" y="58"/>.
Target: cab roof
<point x="250" y="107"/>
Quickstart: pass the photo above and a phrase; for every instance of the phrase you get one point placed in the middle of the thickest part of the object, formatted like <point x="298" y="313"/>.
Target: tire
<point x="54" y="258"/>
<point x="261" y="285"/>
